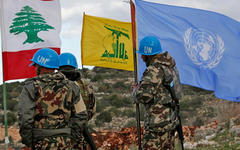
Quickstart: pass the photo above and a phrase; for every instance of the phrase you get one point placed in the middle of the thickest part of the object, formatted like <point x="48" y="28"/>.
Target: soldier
<point x="68" y="65"/>
<point x="154" y="92"/>
<point x="51" y="109"/>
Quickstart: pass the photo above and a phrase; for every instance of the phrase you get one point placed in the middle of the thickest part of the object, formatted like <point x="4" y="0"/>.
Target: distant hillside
<point x="112" y="91"/>
<point x="115" y="109"/>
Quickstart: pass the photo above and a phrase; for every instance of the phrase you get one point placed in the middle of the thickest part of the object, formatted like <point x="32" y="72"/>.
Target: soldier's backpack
<point x="172" y="82"/>
<point x="53" y="100"/>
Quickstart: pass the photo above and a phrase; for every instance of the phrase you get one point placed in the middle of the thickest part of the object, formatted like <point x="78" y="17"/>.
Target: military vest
<point x="53" y="102"/>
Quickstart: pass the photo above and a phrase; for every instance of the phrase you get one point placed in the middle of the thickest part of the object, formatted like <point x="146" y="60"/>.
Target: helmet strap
<point x="147" y="59"/>
<point x="42" y="70"/>
<point x="38" y="69"/>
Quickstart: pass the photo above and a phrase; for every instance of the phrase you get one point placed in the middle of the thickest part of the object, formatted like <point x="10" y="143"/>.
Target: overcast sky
<point x="72" y="16"/>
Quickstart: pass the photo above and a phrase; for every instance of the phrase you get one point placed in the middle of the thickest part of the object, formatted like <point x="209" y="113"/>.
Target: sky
<point x="72" y="16"/>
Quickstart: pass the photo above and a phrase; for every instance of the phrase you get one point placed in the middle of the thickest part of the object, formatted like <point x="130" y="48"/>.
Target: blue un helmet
<point x="46" y="57"/>
<point x="149" y="45"/>
<point x="67" y="59"/>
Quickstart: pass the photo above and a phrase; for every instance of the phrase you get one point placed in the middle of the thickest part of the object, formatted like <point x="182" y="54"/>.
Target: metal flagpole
<point x="135" y="70"/>
<point x="5" y="115"/>
<point x="4" y="84"/>
<point x="81" y="41"/>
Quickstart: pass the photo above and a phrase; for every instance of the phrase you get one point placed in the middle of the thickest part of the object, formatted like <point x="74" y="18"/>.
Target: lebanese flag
<point x="26" y="27"/>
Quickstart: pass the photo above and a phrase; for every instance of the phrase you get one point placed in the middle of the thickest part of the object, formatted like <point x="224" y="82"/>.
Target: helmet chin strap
<point x="42" y="70"/>
<point x="147" y="59"/>
<point x="38" y="70"/>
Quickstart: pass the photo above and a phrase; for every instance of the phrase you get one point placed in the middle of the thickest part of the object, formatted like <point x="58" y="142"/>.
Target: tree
<point x="30" y="22"/>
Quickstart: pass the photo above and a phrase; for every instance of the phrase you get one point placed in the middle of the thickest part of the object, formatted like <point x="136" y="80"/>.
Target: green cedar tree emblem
<point x="30" y="22"/>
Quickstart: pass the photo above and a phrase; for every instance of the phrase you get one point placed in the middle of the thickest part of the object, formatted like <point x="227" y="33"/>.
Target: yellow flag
<point x="107" y="43"/>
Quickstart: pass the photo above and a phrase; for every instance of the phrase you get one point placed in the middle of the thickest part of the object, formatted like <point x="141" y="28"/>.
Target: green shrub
<point x="131" y="123"/>
<point x="98" y="123"/>
<point x="12" y="105"/>
<point x="119" y="101"/>
<point x="11" y="118"/>
<point x="119" y="85"/>
<point x="116" y="112"/>
<point x="97" y="77"/>
<point x="198" y="122"/>
<point x="101" y="105"/>
<point x="104" y="117"/>
<point x="100" y="70"/>
<point x="129" y="113"/>
<point x="104" y="87"/>
<point x="113" y="101"/>
<point x="210" y="112"/>
<point x="191" y="103"/>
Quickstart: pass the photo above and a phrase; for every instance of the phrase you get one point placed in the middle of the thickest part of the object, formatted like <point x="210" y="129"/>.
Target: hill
<point x="116" y="111"/>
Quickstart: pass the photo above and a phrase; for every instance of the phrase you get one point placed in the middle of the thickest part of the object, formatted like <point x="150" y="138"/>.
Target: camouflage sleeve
<point x="149" y="85"/>
<point x="92" y="103"/>
<point x="88" y="97"/>
<point x="26" y="108"/>
<point x="79" y="113"/>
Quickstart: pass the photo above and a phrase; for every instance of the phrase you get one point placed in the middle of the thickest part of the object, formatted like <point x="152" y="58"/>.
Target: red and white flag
<point x="26" y="26"/>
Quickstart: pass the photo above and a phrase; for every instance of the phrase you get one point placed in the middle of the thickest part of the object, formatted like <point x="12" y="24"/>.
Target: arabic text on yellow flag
<point x="107" y="43"/>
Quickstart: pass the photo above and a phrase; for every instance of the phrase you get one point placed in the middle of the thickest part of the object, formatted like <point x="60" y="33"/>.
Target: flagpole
<point x="135" y="70"/>
<point x="4" y="84"/>
<point x="82" y="39"/>
<point x="5" y="114"/>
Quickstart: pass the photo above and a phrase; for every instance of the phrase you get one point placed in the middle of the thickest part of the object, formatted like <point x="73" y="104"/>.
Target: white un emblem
<point x="203" y="48"/>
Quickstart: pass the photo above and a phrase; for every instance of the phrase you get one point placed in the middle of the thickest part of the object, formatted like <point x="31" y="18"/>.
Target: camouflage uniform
<point x="86" y="93"/>
<point x="86" y="90"/>
<point x="160" y="121"/>
<point x="51" y="112"/>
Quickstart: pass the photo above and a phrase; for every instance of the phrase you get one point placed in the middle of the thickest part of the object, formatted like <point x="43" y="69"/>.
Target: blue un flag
<point x="205" y="45"/>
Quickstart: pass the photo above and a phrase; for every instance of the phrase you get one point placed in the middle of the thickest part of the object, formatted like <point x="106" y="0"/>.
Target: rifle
<point x="176" y="107"/>
<point x="179" y="126"/>
<point x="138" y="126"/>
<point x="88" y="138"/>
<point x="137" y="118"/>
